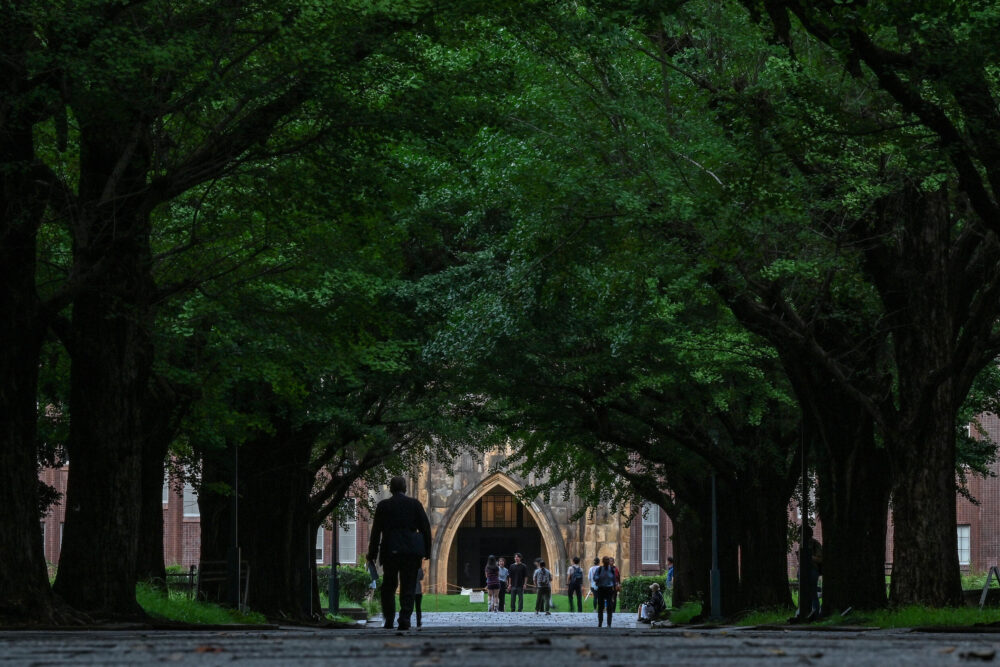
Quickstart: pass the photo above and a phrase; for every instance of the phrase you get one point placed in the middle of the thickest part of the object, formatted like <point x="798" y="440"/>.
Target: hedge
<point x="635" y="591"/>
<point x="354" y="581"/>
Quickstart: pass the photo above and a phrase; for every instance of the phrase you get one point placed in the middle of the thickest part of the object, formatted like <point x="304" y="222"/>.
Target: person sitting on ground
<point x="652" y="608"/>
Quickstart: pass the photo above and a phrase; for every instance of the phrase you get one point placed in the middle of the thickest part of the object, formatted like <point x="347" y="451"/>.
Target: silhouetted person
<point x="401" y="537"/>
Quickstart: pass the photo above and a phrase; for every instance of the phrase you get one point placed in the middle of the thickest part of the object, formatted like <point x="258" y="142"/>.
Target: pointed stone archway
<point x="553" y="545"/>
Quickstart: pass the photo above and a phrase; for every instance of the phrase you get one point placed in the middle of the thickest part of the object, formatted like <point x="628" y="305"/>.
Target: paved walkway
<point x="509" y="646"/>
<point x="493" y="620"/>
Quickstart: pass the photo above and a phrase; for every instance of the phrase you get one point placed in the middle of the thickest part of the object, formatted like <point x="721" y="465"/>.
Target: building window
<point x="650" y="534"/>
<point x="320" y="544"/>
<point x="964" y="544"/>
<point x="190" y="500"/>
<point x="166" y="491"/>
<point x="499" y="511"/>
<point x="347" y="536"/>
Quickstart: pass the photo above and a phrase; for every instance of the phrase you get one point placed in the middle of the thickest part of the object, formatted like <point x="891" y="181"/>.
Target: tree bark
<point x="25" y="594"/>
<point x="110" y="369"/>
<point x="275" y="518"/>
<point x="692" y="520"/>
<point x="159" y="425"/>
<point x="763" y="538"/>
<point x="215" y="518"/>
<point x="853" y="497"/>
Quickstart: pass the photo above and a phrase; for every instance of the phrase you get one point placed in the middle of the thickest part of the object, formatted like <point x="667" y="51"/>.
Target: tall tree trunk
<point x="693" y="546"/>
<point x="929" y="305"/>
<point x="275" y="519"/>
<point x="25" y="594"/>
<point x="763" y="534"/>
<point x="214" y="509"/>
<point x="925" y="566"/>
<point x="159" y="421"/>
<point x="853" y="497"/>
<point x="111" y="353"/>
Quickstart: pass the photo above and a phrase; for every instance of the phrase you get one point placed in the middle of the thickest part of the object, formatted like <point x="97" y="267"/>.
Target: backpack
<point x="544" y="578"/>
<point x="577" y="575"/>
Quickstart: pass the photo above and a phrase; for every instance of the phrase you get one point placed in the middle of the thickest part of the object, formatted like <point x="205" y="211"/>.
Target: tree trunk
<point x="25" y="594"/>
<point x="929" y="305"/>
<point x="275" y="519"/>
<point x="693" y="546"/>
<point x="763" y="531"/>
<point x="159" y="427"/>
<point x="111" y="353"/>
<point x="853" y="497"/>
<point x="214" y="509"/>
<point x="925" y="566"/>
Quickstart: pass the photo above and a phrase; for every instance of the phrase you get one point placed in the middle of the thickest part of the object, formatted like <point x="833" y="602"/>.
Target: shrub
<point x="635" y="590"/>
<point x="354" y="581"/>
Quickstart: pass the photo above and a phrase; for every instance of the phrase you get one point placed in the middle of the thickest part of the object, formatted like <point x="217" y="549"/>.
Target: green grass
<point x="434" y="602"/>
<point x="686" y="612"/>
<point x="177" y="606"/>
<point x="906" y="617"/>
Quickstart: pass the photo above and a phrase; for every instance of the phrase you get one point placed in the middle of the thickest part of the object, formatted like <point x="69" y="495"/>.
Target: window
<point x="499" y="511"/>
<point x="320" y="544"/>
<point x="347" y="535"/>
<point x="964" y="544"/>
<point x="190" y="500"/>
<point x="650" y="534"/>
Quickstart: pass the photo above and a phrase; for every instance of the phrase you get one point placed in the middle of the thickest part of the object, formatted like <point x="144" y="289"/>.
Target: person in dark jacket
<point x="517" y="574"/>
<point x="400" y="538"/>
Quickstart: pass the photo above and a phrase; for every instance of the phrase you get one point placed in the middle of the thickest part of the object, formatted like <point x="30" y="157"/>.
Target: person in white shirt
<point x="504" y="573"/>
<point x="593" y="583"/>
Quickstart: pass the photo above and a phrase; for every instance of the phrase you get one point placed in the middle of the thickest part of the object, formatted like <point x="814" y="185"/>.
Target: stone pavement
<point x="477" y="643"/>
<point x="527" y="619"/>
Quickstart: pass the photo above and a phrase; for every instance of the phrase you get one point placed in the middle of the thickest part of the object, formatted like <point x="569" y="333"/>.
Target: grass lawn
<point x="907" y="617"/>
<point x="461" y="603"/>
<point x="177" y="606"/>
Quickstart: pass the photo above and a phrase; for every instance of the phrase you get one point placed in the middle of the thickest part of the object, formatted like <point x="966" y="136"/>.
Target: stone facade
<point x="450" y="498"/>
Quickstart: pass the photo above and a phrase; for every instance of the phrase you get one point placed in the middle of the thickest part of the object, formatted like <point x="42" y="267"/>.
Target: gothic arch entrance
<point x="488" y="520"/>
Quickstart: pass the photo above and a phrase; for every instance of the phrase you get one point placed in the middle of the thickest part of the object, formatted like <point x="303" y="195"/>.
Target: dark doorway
<point x="476" y="544"/>
<point x="498" y="525"/>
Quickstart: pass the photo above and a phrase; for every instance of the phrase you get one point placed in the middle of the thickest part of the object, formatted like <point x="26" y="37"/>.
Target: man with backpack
<point x="574" y="585"/>
<point x="542" y="579"/>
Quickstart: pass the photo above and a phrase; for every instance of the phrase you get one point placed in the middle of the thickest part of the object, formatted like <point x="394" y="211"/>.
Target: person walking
<point x="400" y="538"/>
<point x="670" y="578"/>
<point x="504" y="574"/>
<point x="574" y="584"/>
<point x="618" y="582"/>
<point x="517" y="575"/>
<point x="607" y="582"/>
<point x="593" y="582"/>
<point x="418" y="594"/>
<point x="493" y="581"/>
<point x="542" y="578"/>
